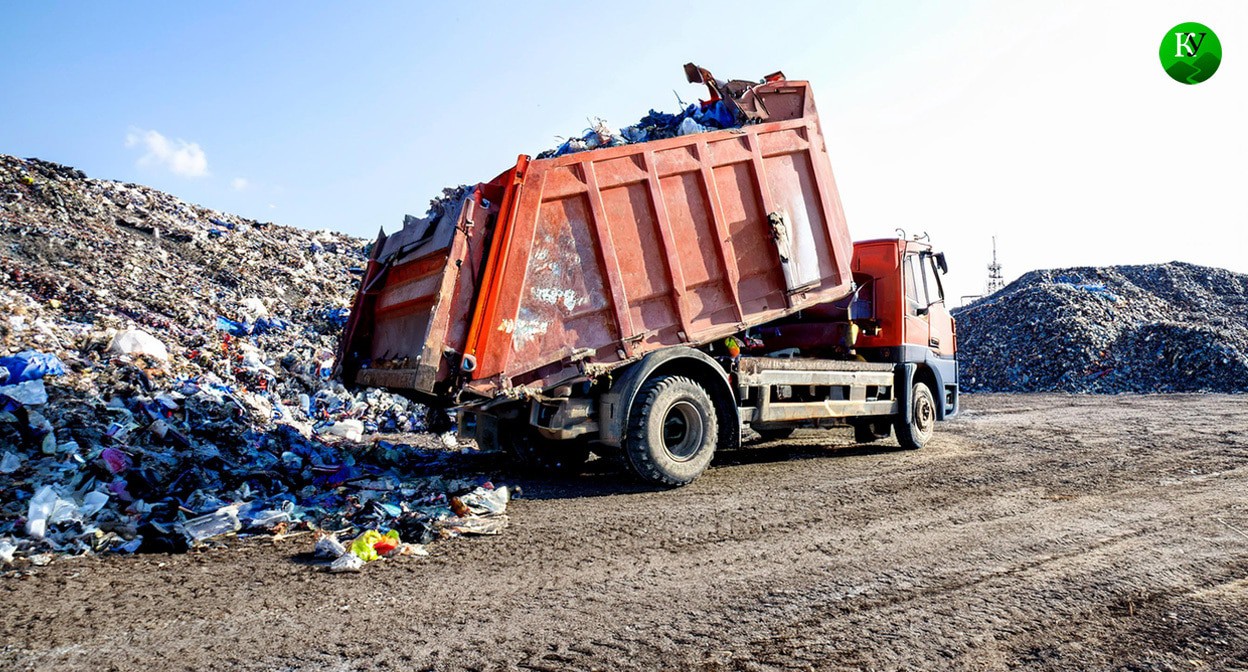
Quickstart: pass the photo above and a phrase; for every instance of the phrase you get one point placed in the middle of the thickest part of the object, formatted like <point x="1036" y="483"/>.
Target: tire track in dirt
<point x="1043" y="531"/>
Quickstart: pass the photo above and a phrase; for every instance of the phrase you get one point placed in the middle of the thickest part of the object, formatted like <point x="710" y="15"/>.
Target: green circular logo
<point x="1190" y="53"/>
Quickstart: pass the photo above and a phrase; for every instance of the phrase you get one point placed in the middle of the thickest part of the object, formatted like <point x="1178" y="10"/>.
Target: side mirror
<point x="940" y="263"/>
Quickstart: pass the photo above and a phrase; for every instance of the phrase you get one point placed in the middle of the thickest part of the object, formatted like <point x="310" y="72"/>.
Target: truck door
<point x="928" y="324"/>
<point x="939" y="323"/>
<point x="917" y="330"/>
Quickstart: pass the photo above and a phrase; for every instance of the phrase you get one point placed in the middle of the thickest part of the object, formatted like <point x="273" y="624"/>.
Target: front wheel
<point x="672" y="431"/>
<point x="915" y="434"/>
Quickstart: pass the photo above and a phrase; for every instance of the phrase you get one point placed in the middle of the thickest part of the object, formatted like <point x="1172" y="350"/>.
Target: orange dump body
<point x="561" y="269"/>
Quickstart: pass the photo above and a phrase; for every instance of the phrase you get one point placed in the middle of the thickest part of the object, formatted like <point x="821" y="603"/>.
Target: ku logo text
<point x="1187" y="44"/>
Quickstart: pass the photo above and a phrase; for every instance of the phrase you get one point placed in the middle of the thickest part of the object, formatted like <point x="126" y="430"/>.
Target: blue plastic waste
<point x="30" y="365"/>
<point x="231" y="327"/>
<point x="715" y="114"/>
<point x="338" y="316"/>
<point x="261" y="326"/>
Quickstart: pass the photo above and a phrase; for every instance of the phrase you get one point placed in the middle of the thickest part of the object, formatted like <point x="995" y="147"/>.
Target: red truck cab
<point x="909" y="321"/>
<point x="896" y="315"/>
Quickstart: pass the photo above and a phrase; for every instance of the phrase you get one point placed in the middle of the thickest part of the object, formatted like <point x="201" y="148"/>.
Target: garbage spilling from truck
<point x="1172" y="327"/>
<point x="165" y="382"/>
<point x="730" y="104"/>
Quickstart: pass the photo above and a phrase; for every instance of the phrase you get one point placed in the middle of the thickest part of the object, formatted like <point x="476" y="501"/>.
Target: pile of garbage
<point x="696" y="118"/>
<point x="166" y="378"/>
<point x="480" y="511"/>
<point x="1172" y="327"/>
<point x="731" y="105"/>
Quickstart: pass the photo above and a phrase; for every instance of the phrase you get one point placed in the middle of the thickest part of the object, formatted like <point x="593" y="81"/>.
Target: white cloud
<point x="240" y="184"/>
<point x="177" y="156"/>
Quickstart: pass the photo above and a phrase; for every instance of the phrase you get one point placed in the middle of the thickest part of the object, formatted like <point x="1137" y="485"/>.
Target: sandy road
<point x="1037" y="532"/>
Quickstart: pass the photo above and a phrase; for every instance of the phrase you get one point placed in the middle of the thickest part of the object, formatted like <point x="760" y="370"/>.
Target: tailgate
<point x="410" y="318"/>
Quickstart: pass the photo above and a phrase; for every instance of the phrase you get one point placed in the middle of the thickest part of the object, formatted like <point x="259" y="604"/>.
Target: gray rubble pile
<point x="1172" y="327"/>
<point x="165" y="378"/>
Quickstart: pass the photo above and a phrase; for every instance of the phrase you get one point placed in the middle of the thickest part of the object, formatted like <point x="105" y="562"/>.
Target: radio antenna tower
<point x="995" y="280"/>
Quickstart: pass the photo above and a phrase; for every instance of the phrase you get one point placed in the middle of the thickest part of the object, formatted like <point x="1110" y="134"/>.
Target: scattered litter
<point x="29" y="365"/>
<point x="347" y="562"/>
<point x="209" y="526"/>
<point x="10" y="463"/>
<point x="138" y="342"/>
<point x="329" y="547"/>
<point x="27" y="393"/>
<point x="167" y="382"/>
<point x="351" y="430"/>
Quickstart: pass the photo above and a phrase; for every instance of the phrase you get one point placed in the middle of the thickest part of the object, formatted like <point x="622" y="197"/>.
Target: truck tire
<point x="915" y="434"/>
<point x="672" y="431"/>
<point x="543" y="456"/>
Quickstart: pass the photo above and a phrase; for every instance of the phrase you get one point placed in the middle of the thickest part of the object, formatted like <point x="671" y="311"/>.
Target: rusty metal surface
<point x="635" y="248"/>
<point x="600" y="257"/>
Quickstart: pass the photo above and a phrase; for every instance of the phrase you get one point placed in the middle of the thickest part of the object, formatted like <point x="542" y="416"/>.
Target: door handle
<point x="933" y="342"/>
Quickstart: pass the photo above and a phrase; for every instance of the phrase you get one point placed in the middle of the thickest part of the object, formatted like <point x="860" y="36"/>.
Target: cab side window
<point x="916" y="287"/>
<point x="931" y="277"/>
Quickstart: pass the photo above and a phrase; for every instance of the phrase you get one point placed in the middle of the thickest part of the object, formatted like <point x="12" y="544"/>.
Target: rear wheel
<point x="672" y="431"/>
<point x="915" y="434"/>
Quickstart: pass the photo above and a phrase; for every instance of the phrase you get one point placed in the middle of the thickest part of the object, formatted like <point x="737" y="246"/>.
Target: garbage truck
<point x="654" y="300"/>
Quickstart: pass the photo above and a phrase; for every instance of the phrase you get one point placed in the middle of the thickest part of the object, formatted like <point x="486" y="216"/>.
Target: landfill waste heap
<point x="165" y="379"/>
<point x="1172" y="327"/>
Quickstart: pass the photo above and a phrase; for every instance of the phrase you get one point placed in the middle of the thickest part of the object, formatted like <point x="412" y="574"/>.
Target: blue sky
<point x="1051" y="127"/>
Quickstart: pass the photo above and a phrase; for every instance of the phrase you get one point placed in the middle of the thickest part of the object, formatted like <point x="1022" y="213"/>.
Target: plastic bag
<point x="372" y="544"/>
<point x="387" y="544"/>
<point x="47" y="508"/>
<point x="116" y="460"/>
<point x="222" y="521"/>
<point x="486" y="502"/>
<point x="92" y="503"/>
<point x="10" y="463"/>
<point x="329" y="547"/>
<point x="347" y="562"/>
<point x="26" y="393"/>
<point x="29" y="365"/>
<point x="139" y="342"/>
<point x="477" y="525"/>
<point x="362" y="546"/>
<point x="689" y="127"/>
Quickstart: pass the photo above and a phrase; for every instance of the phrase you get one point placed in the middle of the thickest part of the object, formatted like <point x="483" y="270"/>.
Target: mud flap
<point x="904" y="385"/>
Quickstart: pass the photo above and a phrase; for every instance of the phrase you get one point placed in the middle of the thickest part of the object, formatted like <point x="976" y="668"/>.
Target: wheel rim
<point x="682" y="431"/>
<point x="924" y="414"/>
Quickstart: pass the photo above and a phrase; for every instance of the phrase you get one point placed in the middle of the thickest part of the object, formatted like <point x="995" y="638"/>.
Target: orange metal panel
<point x="602" y="256"/>
<point x="880" y="259"/>
<point x="496" y="261"/>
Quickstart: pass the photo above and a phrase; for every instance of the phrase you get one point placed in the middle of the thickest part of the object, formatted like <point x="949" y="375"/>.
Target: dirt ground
<point x="1037" y="531"/>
